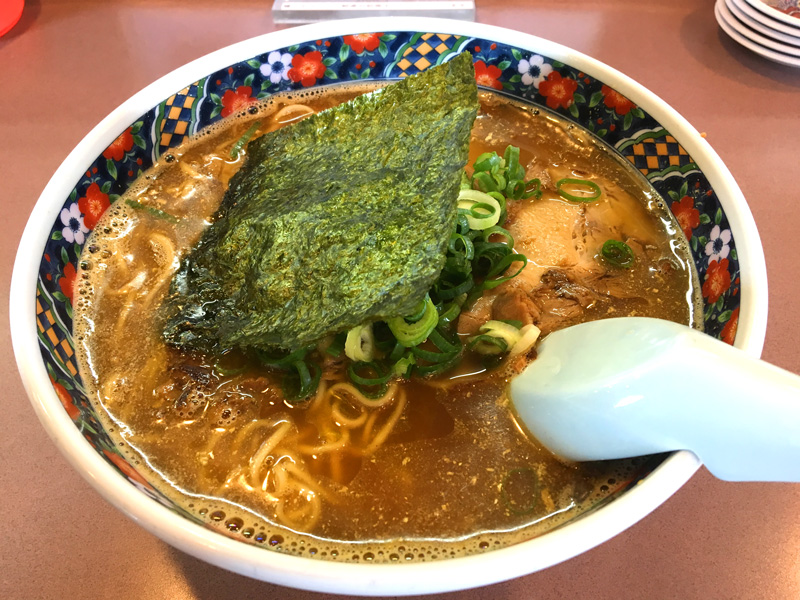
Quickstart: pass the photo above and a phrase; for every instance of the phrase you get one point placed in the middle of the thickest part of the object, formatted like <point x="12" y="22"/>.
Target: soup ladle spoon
<point x="625" y="387"/>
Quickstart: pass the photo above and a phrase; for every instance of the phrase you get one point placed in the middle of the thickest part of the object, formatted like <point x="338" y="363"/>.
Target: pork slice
<point x="556" y="312"/>
<point x="545" y="231"/>
<point x="515" y="305"/>
<point x="471" y="319"/>
<point x="563" y="283"/>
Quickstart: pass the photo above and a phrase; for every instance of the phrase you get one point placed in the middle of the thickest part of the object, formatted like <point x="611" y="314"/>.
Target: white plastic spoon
<point x="632" y="386"/>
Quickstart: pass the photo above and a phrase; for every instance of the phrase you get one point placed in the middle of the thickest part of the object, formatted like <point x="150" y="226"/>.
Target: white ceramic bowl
<point x="688" y="174"/>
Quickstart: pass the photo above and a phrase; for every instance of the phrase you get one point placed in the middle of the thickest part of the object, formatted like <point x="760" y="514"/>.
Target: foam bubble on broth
<point x="440" y="498"/>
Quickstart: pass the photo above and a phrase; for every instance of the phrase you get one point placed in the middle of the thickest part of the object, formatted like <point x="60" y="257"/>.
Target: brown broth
<point x="443" y="468"/>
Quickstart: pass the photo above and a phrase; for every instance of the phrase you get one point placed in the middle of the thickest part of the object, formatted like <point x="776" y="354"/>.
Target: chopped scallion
<point x="360" y="343"/>
<point x="240" y="143"/>
<point x="412" y="334"/>
<point x="481" y="209"/>
<point x="593" y="193"/>
<point x="160" y="214"/>
<point x="283" y="361"/>
<point x="618" y="254"/>
<point x="301" y="384"/>
<point x="380" y="378"/>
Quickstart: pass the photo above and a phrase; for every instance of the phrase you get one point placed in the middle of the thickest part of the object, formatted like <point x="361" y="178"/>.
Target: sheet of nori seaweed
<point x="340" y="219"/>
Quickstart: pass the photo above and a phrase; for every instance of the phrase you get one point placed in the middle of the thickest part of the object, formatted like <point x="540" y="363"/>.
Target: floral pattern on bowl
<point x="515" y="72"/>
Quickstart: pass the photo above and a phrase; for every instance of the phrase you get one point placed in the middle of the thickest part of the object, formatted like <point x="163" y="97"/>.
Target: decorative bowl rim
<point x="338" y="577"/>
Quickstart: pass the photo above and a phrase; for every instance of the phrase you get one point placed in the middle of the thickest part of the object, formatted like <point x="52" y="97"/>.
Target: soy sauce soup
<point x="436" y="467"/>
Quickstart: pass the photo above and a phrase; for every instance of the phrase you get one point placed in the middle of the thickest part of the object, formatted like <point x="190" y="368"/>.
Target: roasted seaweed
<point x="334" y="221"/>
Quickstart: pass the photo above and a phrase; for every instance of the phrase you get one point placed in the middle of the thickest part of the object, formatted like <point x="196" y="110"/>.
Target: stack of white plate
<point x="770" y="28"/>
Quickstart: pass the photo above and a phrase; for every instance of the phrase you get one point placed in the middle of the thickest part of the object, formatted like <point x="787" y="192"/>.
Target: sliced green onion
<point x="516" y="188"/>
<point x="591" y="195"/>
<point x="436" y="368"/>
<point x="513" y="168"/>
<point x="528" y="336"/>
<point x="501" y="200"/>
<point x="304" y="384"/>
<point x="160" y="214"/>
<point x="468" y="250"/>
<point x="419" y="311"/>
<point x="397" y="352"/>
<point x="484" y="182"/>
<point x="496" y="337"/>
<point x="403" y="367"/>
<point x="489" y="161"/>
<point x="360" y="343"/>
<point x="355" y="377"/>
<point x="371" y="387"/>
<point x="283" y="361"/>
<point x="432" y="356"/>
<point x="497" y="230"/>
<point x="448" y="291"/>
<point x="533" y="188"/>
<point x="384" y="338"/>
<point x="439" y="339"/>
<point x="501" y="266"/>
<point x="448" y="355"/>
<point x="512" y="322"/>
<point x="462" y="225"/>
<point x="618" y="254"/>
<point x="483" y="211"/>
<point x="237" y="147"/>
<point x="412" y="334"/>
<point x="488" y="255"/>
<point x="504" y="175"/>
<point x="451" y="310"/>
<point x="487" y="344"/>
<point x="337" y="345"/>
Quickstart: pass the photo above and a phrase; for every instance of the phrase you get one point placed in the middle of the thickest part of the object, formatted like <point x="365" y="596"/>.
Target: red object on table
<point x="10" y="12"/>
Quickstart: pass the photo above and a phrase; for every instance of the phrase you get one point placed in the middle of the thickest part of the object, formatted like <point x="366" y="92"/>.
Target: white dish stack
<point x="770" y="28"/>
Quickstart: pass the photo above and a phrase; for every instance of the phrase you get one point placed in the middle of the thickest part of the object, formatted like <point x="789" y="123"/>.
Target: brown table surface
<point x="68" y="63"/>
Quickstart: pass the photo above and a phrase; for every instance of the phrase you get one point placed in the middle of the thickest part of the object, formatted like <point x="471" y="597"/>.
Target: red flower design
<point x="93" y="205"/>
<point x="67" y="280"/>
<point x="362" y="41"/>
<point x="729" y="331"/>
<point x="487" y="75"/>
<point x="233" y="102"/>
<point x="615" y="100"/>
<point x="120" y="146"/>
<point x="127" y="469"/>
<point x="718" y="280"/>
<point x="66" y="400"/>
<point x="558" y="90"/>
<point x="307" y="68"/>
<point x="686" y="214"/>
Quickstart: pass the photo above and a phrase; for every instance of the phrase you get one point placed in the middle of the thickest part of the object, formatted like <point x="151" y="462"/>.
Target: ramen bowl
<point x="629" y="119"/>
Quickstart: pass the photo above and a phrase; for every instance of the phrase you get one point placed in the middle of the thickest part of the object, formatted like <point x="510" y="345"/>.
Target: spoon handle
<point x="743" y="414"/>
<point x="627" y="387"/>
